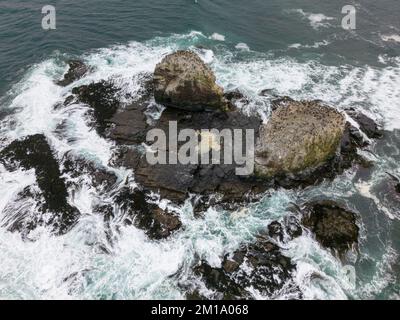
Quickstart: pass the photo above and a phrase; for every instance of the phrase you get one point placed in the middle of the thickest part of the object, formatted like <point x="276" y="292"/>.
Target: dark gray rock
<point x="103" y="100"/>
<point x="77" y="69"/>
<point x="259" y="266"/>
<point x="367" y="125"/>
<point x="141" y="212"/>
<point x="34" y="152"/>
<point x="76" y="166"/>
<point x="175" y="182"/>
<point x="129" y="125"/>
<point x="333" y="226"/>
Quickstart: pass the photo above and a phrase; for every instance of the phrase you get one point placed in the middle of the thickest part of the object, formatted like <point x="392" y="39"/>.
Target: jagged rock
<point x="145" y="215"/>
<point x="275" y="230"/>
<point x="129" y="125"/>
<point x="367" y="125"/>
<point x="260" y="266"/>
<point x="334" y="227"/>
<point x="234" y="95"/>
<point x="288" y="229"/>
<point x="176" y="181"/>
<point x="268" y="93"/>
<point x="101" y="97"/>
<point x="34" y="152"/>
<point x="182" y="80"/>
<point x="76" y="166"/>
<point x="77" y="69"/>
<point x="299" y="136"/>
<point x="292" y="227"/>
<point x="19" y="214"/>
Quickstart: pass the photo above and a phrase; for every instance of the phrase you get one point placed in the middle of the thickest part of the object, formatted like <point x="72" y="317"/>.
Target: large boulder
<point x="300" y="136"/>
<point x="182" y="80"/>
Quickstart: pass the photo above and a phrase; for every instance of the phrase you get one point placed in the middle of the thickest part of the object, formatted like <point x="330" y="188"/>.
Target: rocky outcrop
<point x="176" y="181"/>
<point x="334" y="227"/>
<point x="141" y="211"/>
<point x="299" y="137"/>
<point x="77" y="69"/>
<point x="367" y="125"/>
<point x="102" y="99"/>
<point x="129" y="126"/>
<point x="288" y="229"/>
<point x="182" y="80"/>
<point x="256" y="267"/>
<point x="78" y="168"/>
<point x="34" y="152"/>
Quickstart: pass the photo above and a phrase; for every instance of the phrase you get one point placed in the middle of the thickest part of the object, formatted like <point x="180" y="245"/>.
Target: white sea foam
<point x="316" y="45"/>
<point x="217" y="37"/>
<point x="391" y="38"/>
<point x="316" y="20"/>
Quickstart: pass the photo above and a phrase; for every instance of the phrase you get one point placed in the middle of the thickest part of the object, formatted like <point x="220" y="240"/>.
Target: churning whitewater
<point x="113" y="260"/>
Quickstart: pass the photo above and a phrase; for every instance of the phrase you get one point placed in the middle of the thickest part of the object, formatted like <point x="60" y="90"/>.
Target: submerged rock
<point x="299" y="136"/>
<point x="101" y="97"/>
<point x="334" y="227"/>
<point x="259" y="266"/>
<point x="34" y="152"/>
<point x="182" y="80"/>
<point x="144" y="214"/>
<point x="77" y="69"/>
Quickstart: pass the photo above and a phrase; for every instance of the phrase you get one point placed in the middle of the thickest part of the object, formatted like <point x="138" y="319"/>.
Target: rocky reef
<point x="301" y="144"/>
<point x="77" y="69"/>
<point x="259" y="267"/>
<point x="34" y="152"/>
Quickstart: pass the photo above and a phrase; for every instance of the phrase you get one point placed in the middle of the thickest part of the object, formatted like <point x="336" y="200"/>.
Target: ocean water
<point x="294" y="47"/>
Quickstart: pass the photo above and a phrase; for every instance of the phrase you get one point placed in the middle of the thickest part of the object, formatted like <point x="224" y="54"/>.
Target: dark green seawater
<point x="262" y="24"/>
<point x="297" y="48"/>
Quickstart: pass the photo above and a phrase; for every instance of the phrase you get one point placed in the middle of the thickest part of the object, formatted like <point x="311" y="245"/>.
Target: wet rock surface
<point x="333" y="226"/>
<point x="76" y="167"/>
<point x="182" y="80"/>
<point x="141" y="211"/>
<point x="77" y="69"/>
<point x="103" y="100"/>
<point x="367" y="125"/>
<point x="259" y="266"/>
<point x="34" y="152"/>
<point x="176" y="181"/>
<point x="129" y="125"/>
